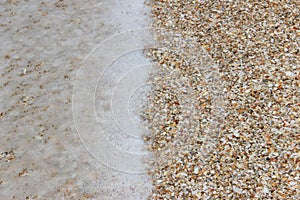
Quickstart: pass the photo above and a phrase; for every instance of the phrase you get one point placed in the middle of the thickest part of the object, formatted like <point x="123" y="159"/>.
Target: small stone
<point x="196" y="170"/>
<point x="237" y="190"/>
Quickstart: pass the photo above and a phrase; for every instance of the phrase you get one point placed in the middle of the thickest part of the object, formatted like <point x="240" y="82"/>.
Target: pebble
<point x="224" y="109"/>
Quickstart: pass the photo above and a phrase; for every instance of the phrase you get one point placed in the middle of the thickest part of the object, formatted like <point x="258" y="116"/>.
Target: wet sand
<point x="50" y="148"/>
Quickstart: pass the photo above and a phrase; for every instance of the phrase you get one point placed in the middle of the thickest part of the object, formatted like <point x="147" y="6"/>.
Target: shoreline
<point x="42" y="155"/>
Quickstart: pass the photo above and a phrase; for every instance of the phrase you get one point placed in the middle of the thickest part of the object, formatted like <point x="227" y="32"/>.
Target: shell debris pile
<point x="224" y="110"/>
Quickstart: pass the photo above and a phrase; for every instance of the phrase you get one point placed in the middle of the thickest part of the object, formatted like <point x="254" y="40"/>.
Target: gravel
<point x="224" y="106"/>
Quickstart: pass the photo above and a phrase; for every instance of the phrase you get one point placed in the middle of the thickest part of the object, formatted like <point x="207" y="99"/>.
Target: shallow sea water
<point x="52" y="83"/>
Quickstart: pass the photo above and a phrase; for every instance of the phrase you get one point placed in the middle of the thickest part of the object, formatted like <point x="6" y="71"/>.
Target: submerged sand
<point x="45" y="154"/>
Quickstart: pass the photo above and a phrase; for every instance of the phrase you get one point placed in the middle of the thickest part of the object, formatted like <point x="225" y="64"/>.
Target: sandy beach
<point x="133" y="100"/>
